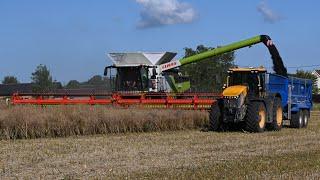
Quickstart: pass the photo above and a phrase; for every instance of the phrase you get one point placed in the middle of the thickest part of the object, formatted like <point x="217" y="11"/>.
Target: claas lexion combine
<point x="251" y="96"/>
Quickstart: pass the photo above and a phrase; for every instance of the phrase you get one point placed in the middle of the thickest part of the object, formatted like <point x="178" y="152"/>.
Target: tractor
<point x="259" y="100"/>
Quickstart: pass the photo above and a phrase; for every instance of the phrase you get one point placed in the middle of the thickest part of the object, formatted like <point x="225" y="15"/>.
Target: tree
<point x="209" y="74"/>
<point x="96" y="80"/>
<point x="73" y="84"/>
<point x="42" y="80"/>
<point x="308" y="75"/>
<point x="10" y="80"/>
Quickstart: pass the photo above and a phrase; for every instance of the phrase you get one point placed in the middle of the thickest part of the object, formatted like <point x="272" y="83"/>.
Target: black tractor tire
<point x="215" y="119"/>
<point x="256" y="117"/>
<point x="297" y="119"/>
<point x="277" y="116"/>
<point x="306" y="117"/>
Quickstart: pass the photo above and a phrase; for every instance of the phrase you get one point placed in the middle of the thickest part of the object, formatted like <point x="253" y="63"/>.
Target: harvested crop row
<point x="35" y="122"/>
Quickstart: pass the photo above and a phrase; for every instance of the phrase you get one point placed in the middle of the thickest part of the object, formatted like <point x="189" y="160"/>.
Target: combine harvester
<point x="251" y="96"/>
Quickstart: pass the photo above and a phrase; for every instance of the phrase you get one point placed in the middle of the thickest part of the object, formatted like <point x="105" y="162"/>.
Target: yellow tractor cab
<point x="241" y="81"/>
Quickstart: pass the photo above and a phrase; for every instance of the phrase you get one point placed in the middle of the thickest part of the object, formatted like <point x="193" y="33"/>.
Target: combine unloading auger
<point x="278" y="65"/>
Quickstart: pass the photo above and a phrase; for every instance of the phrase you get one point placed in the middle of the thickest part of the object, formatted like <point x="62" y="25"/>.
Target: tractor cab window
<point x="132" y="78"/>
<point x="251" y="80"/>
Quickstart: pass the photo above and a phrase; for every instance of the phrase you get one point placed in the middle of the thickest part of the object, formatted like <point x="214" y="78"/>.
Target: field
<point x="187" y="154"/>
<point x="28" y="122"/>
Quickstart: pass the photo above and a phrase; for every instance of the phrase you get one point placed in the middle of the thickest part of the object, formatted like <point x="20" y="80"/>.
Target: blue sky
<point x="73" y="37"/>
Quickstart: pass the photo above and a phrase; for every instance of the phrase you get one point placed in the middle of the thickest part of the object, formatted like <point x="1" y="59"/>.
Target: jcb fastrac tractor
<point x="262" y="100"/>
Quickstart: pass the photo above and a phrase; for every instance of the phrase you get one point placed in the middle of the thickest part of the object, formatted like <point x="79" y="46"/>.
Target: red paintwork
<point x="196" y="101"/>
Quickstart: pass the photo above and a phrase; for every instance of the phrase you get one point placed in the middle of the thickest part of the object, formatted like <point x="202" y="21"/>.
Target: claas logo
<point x="168" y="65"/>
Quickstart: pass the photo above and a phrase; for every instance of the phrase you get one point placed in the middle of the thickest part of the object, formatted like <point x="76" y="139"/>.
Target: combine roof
<point x="140" y="58"/>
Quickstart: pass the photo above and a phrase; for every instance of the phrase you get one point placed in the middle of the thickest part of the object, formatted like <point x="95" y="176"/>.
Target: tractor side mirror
<point x="105" y="71"/>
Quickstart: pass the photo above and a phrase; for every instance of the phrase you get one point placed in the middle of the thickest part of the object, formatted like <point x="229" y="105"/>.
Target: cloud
<point x="164" y="12"/>
<point x="268" y="14"/>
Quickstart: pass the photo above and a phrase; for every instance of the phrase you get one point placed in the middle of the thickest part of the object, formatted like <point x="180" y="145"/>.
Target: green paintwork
<point x="221" y="50"/>
<point x="178" y="87"/>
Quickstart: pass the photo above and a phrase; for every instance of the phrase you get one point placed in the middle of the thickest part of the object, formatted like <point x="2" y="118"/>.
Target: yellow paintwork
<point x="260" y="69"/>
<point x="235" y="90"/>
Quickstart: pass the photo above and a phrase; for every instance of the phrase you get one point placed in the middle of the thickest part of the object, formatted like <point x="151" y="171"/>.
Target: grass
<point x="316" y="106"/>
<point x="190" y="154"/>
<point x="25" y="122"/>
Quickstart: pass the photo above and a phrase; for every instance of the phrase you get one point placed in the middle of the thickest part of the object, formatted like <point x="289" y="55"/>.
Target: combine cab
<point x="139" y="72"/>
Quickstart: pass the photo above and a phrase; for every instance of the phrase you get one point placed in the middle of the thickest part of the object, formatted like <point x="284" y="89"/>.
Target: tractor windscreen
<point x="132" y="79"/>
<point x="249" y="79"/>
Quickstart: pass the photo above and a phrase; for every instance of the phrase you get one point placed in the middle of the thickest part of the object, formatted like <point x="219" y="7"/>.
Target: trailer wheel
<point x="256" y="117"/>
<point x="215" y="118"/>
<point x="277" y="116"/>
<point x="297" y="119"/>
<point x="306" y="117"/>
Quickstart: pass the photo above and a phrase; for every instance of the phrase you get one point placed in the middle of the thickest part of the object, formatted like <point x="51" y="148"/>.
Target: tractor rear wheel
<point x="306" y="117"/>
<point x="297" y="119"/>
<point x="256" y="117"/>
<point x="215" y="118"/>
<point x="277" y="117"/>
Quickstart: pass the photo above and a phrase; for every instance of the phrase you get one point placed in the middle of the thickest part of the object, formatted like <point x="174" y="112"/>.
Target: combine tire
<point x="277" y="117"/>
<point x="256" y="117"/>
<point x="215" y="118"/>
<point x="306" y="117"/>
<point x="297" y="119"/>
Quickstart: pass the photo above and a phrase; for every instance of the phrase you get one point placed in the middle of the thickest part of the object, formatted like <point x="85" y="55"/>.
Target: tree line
<point x="42" y="81"/>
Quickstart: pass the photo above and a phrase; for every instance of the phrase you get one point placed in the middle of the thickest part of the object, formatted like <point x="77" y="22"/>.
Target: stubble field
<point x="187" y="154"/>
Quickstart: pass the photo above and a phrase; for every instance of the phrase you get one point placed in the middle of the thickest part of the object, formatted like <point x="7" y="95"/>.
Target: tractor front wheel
<point x="215" y="118"/>
<point x="256" y="117"/>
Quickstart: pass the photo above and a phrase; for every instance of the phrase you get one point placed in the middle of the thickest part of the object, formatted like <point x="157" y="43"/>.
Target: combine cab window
<point x="132" y="79"/>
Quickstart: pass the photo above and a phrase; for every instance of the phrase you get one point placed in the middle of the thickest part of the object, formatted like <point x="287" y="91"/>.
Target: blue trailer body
<point x="295" y="93"/>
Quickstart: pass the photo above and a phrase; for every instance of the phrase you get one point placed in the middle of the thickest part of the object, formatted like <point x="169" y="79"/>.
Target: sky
<point x="72" y="38"/>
